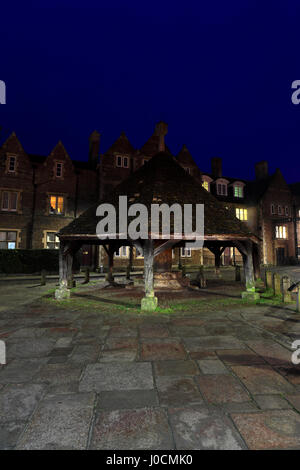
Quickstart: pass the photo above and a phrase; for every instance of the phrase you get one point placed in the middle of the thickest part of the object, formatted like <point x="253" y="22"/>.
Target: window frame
<point x="9" y="198"/>
<point x="183" y="251"/>
<point x="56" y="196"/>
<point x="241" y="210"/>
<point x="7" y="241"/>
<point x="121" y="254"/>
<point x="240" y="188"/>
<point x="61" y="171"/>
<point x="281" y="234"/>
<point x="55" y="242"/>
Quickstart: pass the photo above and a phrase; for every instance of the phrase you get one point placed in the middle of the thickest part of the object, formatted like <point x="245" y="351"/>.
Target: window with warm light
<point x="280" y="231"/>
<point x="56" y="205"/>
<point x="9" y="201"/>
<point x="205" y="185"/>
<point x="241" y="214"/>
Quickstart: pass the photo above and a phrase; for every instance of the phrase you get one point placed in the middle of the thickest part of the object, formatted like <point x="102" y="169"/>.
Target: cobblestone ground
<point x="209" y="372"/>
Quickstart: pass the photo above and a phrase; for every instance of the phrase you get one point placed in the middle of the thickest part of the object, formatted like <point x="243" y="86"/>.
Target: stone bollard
<point x="269" y="279"/>
<point x="277" y="284"/>
<point x="86" y="276"/>
<point x="43" y="277"/>
<point x="237" y="273"/>
<point x="286" y="295"/>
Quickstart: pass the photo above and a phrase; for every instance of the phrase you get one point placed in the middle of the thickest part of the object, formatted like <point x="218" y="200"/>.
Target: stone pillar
<point x="246" y="248"/>
<point x="149" y="302"/>
<point x="286" y="295"/>
<point x="65" y="270"/>
<point x="277" y="284"/>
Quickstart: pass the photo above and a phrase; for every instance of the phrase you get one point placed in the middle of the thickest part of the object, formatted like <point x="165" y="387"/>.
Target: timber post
<point x="149" y="302"/>
<point x="237" y="273"/>
<point x="66" y="256"/>
<point x="246" y="250"/>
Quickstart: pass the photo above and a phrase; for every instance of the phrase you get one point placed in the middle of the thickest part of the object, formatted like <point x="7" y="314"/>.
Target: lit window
<point x="205" y="185"/>
<point x="9" y="201"/>
<point x="122" y="252"/>
<point x="272" y="209"/>
<point x="279" y="210"/>
<point x="8" y="240"/>
<point x="280" y="231"/>
<point x="241" y="214"/>
<point x="56" y="205"/>
<point x="185" y="252"/>
<point x="11" y="164"/>
<point x="59" y="169"/>
<point x="238" y="191"/>
<point x="52" y="241"/>
<point x="222" y="189"/>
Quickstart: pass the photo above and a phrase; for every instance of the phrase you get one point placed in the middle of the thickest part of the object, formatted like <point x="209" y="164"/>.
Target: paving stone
<point x="294" y="400"/>
<point x="121" y="343"/>
<point x="10" y="433"/>
<point x="123" y="332"/>
<point x="175" y="368"/>
<point x="85" y="353"/>
<point x="212" y="342"/>
<point x="63" y="342"/>
<point x="240" y="356"/>
<point x="57" y="359"/>
<point x="60" y="422"/>
<point x="142" y="429"/>
<point x="29" y="332"/>
<point x="261" y="380"/>
<point x="19" y="370"/>
<point x="186" y="331"/>
<point x="24" y="348"/>
<point x="156" y="349"/>
<point x="153" y="331"/>
<point x="195" y="428"/>
<point x="212" y="366"/>
<point x="122" y="355"/>
<point x="61" y="352"/>
<point x="117" y="400"/>
<point x="177" y="391"/>
<point x="63" y="388"/>
<point x="17" y="401"/>
<point x="236" y="407"/>
<point x="58" y="374"/>
<point x="117" y="376"/>
<point x="278" y="429"/>
<point x="208" y="354"/>
<point x="222" y="389"/>
<point x="291" y="373"/>
<point x="271" y="402"/>
<point x="273" y="353"/>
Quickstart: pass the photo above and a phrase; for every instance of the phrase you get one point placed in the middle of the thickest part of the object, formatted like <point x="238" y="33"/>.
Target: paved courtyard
<point x="208" y="371"/>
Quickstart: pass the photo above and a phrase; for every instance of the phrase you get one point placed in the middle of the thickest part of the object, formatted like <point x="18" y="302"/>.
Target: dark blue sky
<point x="218" y="72"/>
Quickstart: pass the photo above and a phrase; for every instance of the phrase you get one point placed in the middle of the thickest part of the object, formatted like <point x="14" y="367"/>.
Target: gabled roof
<point x="121" y="145"/>
<point x="163" y="180"/>
<point x="151" y="147"/>
<point x="185" y="158"/>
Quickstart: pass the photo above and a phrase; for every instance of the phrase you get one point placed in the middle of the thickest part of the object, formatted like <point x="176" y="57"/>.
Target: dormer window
<point x="238" y="190"/>
<point x="279" y="210"/>
<point x="122" y="162"/>
<point x="222" y="187"/>
<point x="11" y="164"/>
<point x="58" y="169"/>
<point x="206" y="180"/>
<point x="188" y="170"/>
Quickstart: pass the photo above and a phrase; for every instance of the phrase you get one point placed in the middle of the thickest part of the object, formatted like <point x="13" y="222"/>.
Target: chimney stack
<point x="161" y="129"/>
<point x="216" y="167"/>
<point x="94" y="147"/>
<point x="261" y="170"/>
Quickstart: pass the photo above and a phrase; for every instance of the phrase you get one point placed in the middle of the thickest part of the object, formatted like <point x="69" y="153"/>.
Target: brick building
<point x="41" y="194"/>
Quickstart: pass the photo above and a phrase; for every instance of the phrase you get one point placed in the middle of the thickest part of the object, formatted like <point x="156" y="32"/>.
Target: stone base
<point x="250" y="295"/>
<point x="149" y="304"/>
<point x="62" y="293"/>
<point x="170" y="280"/>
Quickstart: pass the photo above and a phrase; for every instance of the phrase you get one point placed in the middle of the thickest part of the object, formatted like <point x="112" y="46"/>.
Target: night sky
<point x="218" y="72"/>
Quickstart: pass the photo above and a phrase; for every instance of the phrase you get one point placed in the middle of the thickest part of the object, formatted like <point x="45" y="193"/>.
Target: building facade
<point x="41" y="194"/>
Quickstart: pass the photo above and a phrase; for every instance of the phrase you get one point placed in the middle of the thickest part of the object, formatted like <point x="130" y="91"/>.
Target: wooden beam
<point x="164" y="246"/>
